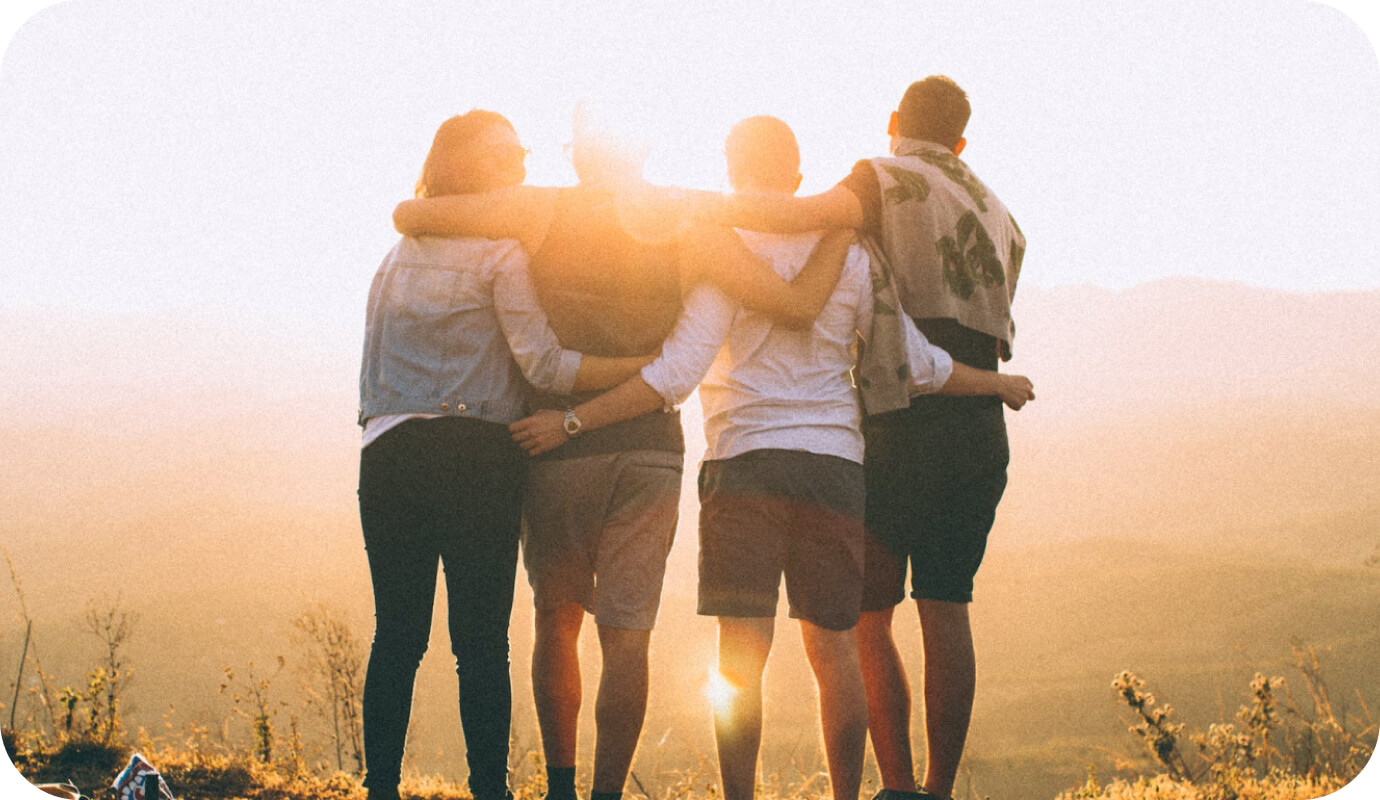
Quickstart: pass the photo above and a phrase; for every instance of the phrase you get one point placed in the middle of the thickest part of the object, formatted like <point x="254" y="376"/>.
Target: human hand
<point x="540" y="433"/>
<point x="1015" y="390"/>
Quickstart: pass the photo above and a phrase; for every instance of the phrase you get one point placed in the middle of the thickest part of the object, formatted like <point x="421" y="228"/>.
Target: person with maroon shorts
<point x="935" y="466"/>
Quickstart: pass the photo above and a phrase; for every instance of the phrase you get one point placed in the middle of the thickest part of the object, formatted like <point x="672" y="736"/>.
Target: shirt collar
<point x="908" y="147"/>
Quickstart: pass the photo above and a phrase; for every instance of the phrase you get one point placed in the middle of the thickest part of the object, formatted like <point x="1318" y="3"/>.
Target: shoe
<point x="893" y="794"/>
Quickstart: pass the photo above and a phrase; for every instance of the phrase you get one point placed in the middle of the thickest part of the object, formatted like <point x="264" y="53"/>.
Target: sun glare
<point x="720" y="692"/>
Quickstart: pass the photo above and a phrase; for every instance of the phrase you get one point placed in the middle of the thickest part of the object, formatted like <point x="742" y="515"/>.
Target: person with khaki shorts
<point x="615" y="517"/>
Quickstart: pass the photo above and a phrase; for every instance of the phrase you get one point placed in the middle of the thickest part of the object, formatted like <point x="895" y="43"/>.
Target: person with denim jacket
<point x="454" y="343"/>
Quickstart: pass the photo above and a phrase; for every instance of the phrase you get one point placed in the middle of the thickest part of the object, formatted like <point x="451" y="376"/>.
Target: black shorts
<point x="935" y="473"/>
<point x="771" y="512"/>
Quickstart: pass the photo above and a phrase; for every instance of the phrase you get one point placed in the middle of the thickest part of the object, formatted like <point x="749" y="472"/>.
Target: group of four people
<point x="494" y="327"/>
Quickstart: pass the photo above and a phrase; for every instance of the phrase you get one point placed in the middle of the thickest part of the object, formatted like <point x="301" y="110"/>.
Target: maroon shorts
<point x="767" y="513"/>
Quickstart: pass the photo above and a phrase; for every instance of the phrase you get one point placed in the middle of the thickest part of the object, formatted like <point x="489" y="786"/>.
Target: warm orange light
<point x="720" y="693"/>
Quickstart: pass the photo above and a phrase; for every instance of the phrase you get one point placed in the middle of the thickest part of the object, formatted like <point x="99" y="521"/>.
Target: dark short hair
<point x="445" y="171"/>
<point x="763" y="149"/>
<point x="935" y="110"/>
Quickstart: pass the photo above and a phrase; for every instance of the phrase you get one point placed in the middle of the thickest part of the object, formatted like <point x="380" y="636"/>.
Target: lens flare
<point x="720" y="693"/>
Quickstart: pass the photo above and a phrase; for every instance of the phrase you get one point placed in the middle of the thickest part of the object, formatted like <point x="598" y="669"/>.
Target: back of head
<point x="934" y="110"/>
<point x="763" y="155"/>
<point x="600" y="153"/>
<point x="452" y="165"/>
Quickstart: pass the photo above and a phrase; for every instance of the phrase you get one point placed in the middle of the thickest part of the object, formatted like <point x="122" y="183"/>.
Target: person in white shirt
<point x="781" y="487"/>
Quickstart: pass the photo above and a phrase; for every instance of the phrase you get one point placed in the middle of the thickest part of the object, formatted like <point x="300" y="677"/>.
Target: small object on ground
<point x="140" y="781"/>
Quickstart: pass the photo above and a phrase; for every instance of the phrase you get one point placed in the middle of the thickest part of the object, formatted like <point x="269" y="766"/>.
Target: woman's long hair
<point x="447" y="169"/>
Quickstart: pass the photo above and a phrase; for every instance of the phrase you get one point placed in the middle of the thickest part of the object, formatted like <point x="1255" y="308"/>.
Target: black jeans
<point x="446" y="490"/>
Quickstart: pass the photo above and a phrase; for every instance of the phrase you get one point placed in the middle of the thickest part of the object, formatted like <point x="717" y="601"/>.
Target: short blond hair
<point x="763" y="149"/>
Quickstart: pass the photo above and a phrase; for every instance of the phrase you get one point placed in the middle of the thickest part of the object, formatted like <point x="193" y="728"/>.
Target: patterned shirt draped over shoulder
<point x="955" y="250"/>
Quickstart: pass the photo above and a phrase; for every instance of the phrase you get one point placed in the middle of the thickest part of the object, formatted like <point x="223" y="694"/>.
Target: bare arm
<point x="713" y="254"/>
<point x="598" y="372"/>
<point x="1014" y="390"/>
<point x="933" y="370"/>
<point x="686" y="356"/>
<point x="544" y="430"/>
<point x="516" y="212"/>
<point x="778" y="213"/>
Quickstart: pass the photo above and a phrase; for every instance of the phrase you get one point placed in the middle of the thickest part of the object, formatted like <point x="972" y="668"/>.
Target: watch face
<point x="572" y="423"/>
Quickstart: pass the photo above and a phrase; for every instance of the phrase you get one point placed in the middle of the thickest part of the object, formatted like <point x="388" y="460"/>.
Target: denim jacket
<point x="452" y="328"/>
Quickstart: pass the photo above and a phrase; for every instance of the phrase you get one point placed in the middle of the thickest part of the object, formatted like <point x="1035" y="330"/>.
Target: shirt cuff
<point x="569" y="364"/>
<point x="930" y="366"/>
<point x="658" y="376"/>
<point x="943" y="368"/>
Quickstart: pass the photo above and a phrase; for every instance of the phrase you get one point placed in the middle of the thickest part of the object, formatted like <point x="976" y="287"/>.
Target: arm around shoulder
<point x="781" y="213"/>
<point x="716" y="255"/>
<point x="516" y="212"/>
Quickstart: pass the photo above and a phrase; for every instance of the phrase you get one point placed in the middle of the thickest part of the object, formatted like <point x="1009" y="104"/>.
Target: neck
<point x="901" y="145"/>
<point x="613" y="181"/>
<point x="760" y="188"/>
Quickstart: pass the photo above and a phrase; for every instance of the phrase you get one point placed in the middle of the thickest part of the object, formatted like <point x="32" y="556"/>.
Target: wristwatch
<point x="572" y="423"/>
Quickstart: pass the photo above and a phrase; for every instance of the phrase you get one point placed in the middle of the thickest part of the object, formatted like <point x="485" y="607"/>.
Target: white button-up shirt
<point x="766" y="386"/>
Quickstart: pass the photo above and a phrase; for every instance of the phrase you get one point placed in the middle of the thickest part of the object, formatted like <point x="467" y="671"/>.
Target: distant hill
<point x="1173" y="407"/>
<point x="1176" y="344"/>
<point x="1193" y="407"/>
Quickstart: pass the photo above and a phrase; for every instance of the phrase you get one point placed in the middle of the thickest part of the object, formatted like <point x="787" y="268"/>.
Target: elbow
<point x="798" y="319"/>
<point x="558" y="374"/>
<point x="403" y="221"/>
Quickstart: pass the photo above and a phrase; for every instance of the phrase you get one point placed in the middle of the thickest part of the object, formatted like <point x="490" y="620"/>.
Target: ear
<point x="893" y="128"/>
<point x="958" y="148"/>
<point x="796" y="187"/>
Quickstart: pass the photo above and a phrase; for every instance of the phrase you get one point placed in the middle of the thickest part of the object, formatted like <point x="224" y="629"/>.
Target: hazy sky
<point x="240" y="161"/>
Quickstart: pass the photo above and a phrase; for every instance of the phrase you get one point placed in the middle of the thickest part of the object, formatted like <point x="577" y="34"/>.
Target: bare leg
<point x="621" y="705"/>
<point x="556" y="681"/>
<point x="950" y="679"/>
<point x="888" y="700"/>
<point x="744" y="643"/>
<point x="842" y="704"/>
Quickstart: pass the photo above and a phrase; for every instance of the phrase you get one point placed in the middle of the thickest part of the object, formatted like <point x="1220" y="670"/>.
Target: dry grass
<point x="1276" y="749"/>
